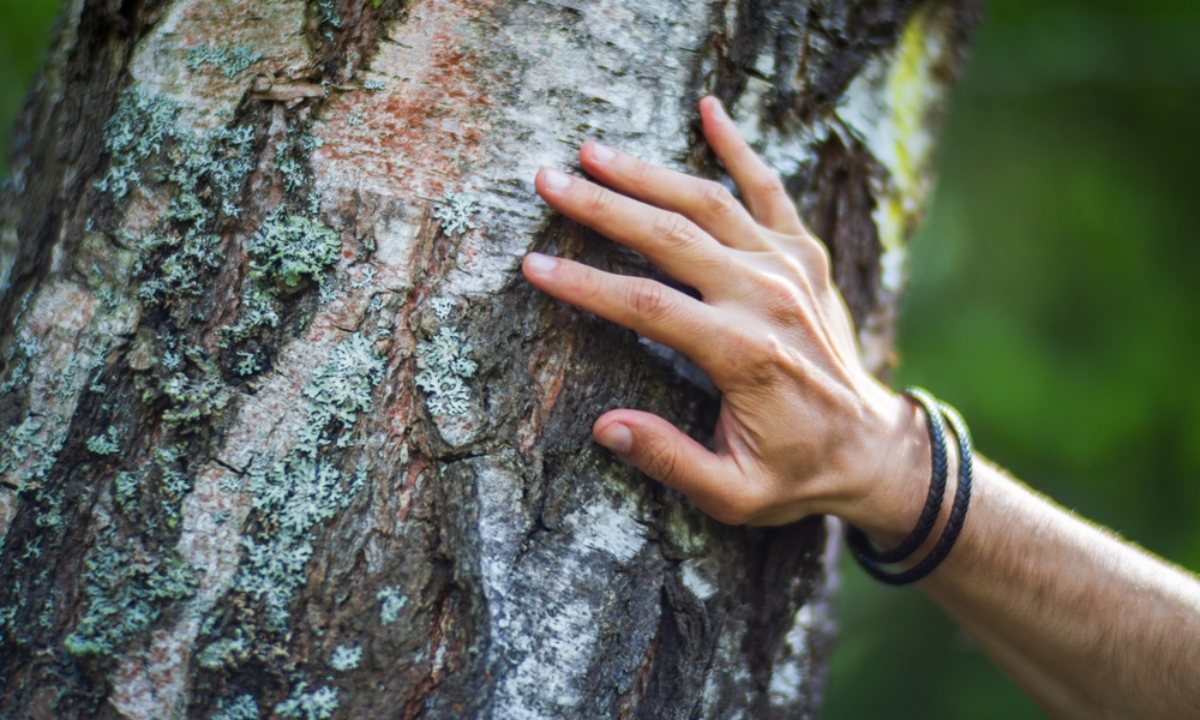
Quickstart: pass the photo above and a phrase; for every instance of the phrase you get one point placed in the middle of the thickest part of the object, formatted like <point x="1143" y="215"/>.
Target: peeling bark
<point x="287" y="435"/>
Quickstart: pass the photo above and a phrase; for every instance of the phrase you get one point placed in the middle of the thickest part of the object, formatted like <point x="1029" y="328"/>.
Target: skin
<point x="1089" y="625"/>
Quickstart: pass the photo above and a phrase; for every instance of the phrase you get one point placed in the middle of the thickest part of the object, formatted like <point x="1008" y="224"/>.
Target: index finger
<point x="645" y="306"/>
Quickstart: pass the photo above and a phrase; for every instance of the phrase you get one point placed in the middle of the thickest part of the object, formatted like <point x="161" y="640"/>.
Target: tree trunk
<point x="286" y="433"/>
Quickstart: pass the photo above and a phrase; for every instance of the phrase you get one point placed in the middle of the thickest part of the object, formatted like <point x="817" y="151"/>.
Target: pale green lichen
<point x="129" y="583"/>
<point x="257" y="313"/>
<point x="345" y="658"/>
<point x="369" y="274"/>
<point x="126" y="589"/>
<point x="374" y="85"/>
<point x="442" y="307"/>
<point x="224" y="651"/>
<point x="32" y="550"/>
<point x="34" y="449"/>
<point x="247" y="364"/>
<point x="107" y="444"/>
<point x="288" y="162"/>
<point x="19" y="355"/>
<point x="126" y="489"/>
<point x="172" y="486"/>
<point x="445" y="365"/>
<point x="153" y="496"/>
<point x="230" y="61"/>
<point x="288" y="249"/>
<point x="188" y="259"/>
<point x="316" y="705"/>
<point x="455" y="211"/>
<point x="242" y="708"/>
<point x="137" y="130"/>
<point x="295" y="495"/>
<point x="292" y="497"/>
<point x="194" y="399"/>
<point x="340" y="391"/>
<point x="207" y="172"/>
<point x="391" y="602"/>
<point x="18" y="443"/>
<point x="329" y="13"/>
<point x="286" y="253"/>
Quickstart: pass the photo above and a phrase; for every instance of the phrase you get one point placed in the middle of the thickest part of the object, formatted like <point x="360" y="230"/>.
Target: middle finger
<point x="669" y="240"/>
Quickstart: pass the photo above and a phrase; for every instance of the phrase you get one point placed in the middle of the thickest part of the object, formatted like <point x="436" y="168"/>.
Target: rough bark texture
<point x="286" y="434"/>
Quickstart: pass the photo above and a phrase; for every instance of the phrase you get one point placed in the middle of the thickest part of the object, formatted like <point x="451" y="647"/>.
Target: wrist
<point x="893" y="474"/>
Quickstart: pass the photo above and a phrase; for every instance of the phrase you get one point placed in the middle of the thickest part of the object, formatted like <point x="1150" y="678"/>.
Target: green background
<point x="1054" y="299"/>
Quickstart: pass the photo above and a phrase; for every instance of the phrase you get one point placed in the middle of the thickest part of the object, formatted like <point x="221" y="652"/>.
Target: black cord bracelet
<point x="958" y="512"/>
<point x="857" y="539"/>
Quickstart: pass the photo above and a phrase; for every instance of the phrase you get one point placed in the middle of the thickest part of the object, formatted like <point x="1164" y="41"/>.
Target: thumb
<point x="664" y="453"/>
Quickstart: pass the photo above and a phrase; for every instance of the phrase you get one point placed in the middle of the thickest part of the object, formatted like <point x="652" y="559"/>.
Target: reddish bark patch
<point x="426" y="126"/>
<point x="547" y="367"/>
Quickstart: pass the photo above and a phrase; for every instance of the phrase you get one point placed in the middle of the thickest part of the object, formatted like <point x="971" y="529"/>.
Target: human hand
<point x="803" y="428"/>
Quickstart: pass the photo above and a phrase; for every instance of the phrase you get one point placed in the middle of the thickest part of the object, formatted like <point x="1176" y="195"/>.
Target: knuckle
<point x="780" y="298"/>
<point x="661" y="462"/>
<point x="650" y="301"/>
<point x="674" y="229"/>
<point x="600" y="201"/>
<point x="750" y="357"/>
<point x="640" y="172"/>
<point x="818" y="260"/>
<point x="578" y="282"/>
<point x="717" y="199"/>
<point x="769" y="185"/>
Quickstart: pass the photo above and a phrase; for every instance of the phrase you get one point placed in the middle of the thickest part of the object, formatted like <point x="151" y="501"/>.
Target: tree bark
<point x="285" y="434"/>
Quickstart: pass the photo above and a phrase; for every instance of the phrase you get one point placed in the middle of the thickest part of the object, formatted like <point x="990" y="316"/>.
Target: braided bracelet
<point x="857" y="539"/>
<point x="958" y="511"/>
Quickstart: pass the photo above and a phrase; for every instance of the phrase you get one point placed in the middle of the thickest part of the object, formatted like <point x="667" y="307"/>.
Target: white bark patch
<point x="787" y="670"/>
<point x="63" y="352"/>
<point x="607" y="528"/>
<point x="727" y="669"/>
<point x="273" y="30"/>
<point x="151" y="685"/>
<point x="785" y="152"/>
<point x="542" y="602"/>
<point x="889" y="107"/>
<point x="696" y="579"/>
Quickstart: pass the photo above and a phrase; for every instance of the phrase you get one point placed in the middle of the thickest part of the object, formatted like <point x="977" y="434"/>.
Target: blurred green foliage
<point x="1053" y="299"/>
<point x="24" y="37"/>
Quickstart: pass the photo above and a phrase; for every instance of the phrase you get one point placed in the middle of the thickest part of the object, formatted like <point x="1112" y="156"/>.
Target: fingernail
<point x="616" y="437"/>
<point x="602" y="153"/>
<point x="556" y="180"/>
<point x="720" y="109"/>
<point x="540" y="264"/>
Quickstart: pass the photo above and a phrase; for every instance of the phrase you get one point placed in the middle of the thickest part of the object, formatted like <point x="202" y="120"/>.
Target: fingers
<point x="647" y="307"/>
<point x="705" y="202"/>
<point x="760" y="186"/>
<point x="667" y="239"/>
<point x="664" y="453"/>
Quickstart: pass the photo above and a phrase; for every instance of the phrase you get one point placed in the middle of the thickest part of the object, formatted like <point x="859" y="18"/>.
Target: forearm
<point x="1089" y="625"/>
